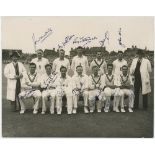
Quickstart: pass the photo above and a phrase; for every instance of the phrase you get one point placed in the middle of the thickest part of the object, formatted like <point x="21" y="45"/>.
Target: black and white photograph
<point x="77" y="76"/>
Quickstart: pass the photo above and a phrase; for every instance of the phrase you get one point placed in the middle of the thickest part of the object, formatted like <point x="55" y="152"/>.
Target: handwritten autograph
<point x="106" y="37"/>
<point x="120" y="38"/>
<point x="43" y="37"/>
<point x="84" y="40"/>
<point x="73" y="39"/>
<point x="67" y="40"/>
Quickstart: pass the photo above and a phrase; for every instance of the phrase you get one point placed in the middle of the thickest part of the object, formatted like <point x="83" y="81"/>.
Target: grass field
<point x="137" y="124"/>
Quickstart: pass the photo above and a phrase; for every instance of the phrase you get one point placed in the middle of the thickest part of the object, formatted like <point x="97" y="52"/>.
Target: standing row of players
<point x="52" y="83"/>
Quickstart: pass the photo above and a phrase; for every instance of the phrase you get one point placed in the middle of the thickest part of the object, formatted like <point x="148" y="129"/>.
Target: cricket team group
<point x="109" y="87"/>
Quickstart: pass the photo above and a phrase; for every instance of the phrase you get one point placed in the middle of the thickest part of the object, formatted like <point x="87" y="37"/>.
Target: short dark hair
<point x="39" y="50"/>
<point x="62" y="50"/>
<point x="32" y="64"/>
<point x="109" y="65"/>
<point x="15" y="54"/>
<point x="62" y="68"/>
<point x="79" y="66"/>
<point x="48" y="65"/>
<point x="120" y="52"/>
<point x="125" y="66"/>
<point x="79" y="48"/>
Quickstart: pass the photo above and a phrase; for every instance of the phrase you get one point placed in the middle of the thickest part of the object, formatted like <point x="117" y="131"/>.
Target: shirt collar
<point x="32" y="74"/>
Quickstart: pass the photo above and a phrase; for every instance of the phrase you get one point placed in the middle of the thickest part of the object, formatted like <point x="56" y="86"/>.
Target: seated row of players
<point x="96" y="89"/>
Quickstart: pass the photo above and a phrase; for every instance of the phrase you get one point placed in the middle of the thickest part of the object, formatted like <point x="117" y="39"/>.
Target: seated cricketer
<point x="63" y="85"/>
<point x="48" y="88"/>
<point x="126" y="86"/>
<point x="95" y="90"/>
<point x="80" y="88"/>
<point x="111" y="90"/>
<point x="30" y="88"/>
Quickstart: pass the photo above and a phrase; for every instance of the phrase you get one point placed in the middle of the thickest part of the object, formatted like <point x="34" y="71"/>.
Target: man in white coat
<point x="63" y="85"/>
<point x="81" y="60"/>
<point x="48" y="89"/>
<point x="118" y="63"/>
<point x="80" y="88"/>
<point x="30" y="88"/>
<point x="40" y="62"/>
<point x="61" y="61"/>
<point x="14" y="73"/>
<point x="140" y="69"/>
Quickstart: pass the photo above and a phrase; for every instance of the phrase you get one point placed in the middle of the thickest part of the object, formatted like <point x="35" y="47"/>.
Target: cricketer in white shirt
<point x="126" y="86"/>
<point x="111" y="89"/>
<point x="118" y="63"/>
<point x="48" y="89"/>
<point x="30" y="88"/>
<point x="95" y="90"/>
<point x="63" y="88"/>
<point x="40" y="62"/>
<point x="80" y="59"/>
<point x="61" y="61"/>
<point x="101" y="63"/>
<point x="80" y="87"/>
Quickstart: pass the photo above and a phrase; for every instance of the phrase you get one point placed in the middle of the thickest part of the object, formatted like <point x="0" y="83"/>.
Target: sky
<point x="31" y="33"/>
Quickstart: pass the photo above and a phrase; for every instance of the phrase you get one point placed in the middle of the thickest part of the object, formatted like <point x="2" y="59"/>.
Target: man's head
<point x="120" y="55"/>
<point x="14" y="56"/>
<point x="140" y="53"/>
<point x="95" y="70"/>
<point x="79" y="51"/>
<point x="39" y="53"/>
<point x="61" y="54"/>
<point x="99" y="55"/>
<point x="79" y="69"/>
<point x="63" y="71"/>
<point x="110" y="68"/>
<point x="32" y="67"/>
<point x="124" y="70"/>
<point x="48" y="69"/>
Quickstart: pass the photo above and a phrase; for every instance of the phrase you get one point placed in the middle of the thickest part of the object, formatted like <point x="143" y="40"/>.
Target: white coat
<point x="9" y="73"/>
<point x="145" y="69"/>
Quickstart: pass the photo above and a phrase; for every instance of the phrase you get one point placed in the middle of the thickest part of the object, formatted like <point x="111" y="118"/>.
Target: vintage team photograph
<point x="78" y="76"/>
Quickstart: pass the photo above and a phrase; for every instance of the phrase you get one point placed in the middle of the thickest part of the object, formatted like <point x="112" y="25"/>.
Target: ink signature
<point x="85" y="40"/>
<point x="106" y="37"/>
<point x="120" y="38"/>
<point x="43" y="37"/>
<point x="67" y="40"/>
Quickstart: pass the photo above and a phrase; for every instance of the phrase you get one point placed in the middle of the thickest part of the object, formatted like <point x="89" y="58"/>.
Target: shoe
<point x="74" y="111"/>
<point x="43" y="112"/>
<point x="105" y="110"/>
<point x="117" y="110"/>
<point x="122" y="110"/>
<point x="86" y="110"/>
<point x="99" y="110"/>
<point x="91" y="111"/>
<point x="35" y="111"/>
<point x="130" y="110"/>
<point x="69" y="113"/>
<point x="59" y="113"/>
<point x="22" y="111"/>
<point x="52" y="112"/>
